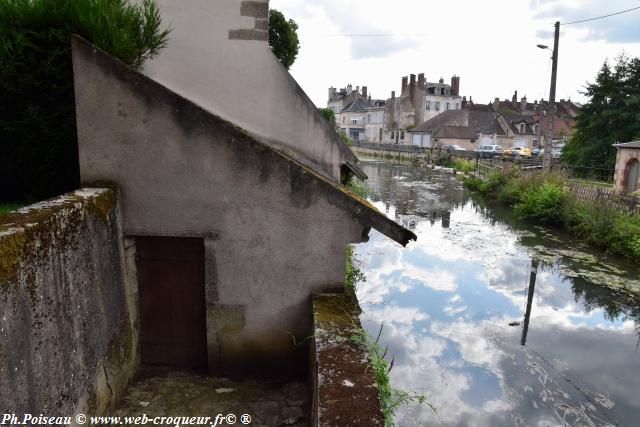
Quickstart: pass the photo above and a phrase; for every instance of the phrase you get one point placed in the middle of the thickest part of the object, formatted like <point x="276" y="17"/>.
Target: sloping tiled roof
<point x="461" y="124"/>
<point x="357" y="106"/>
<point x="484" y="122"/>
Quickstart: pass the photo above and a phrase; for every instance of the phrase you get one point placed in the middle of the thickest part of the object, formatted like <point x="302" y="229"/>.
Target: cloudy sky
<point x="490" y="44"/>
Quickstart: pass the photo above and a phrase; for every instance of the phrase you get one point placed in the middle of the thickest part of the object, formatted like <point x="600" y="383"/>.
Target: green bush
<point x="625" y="236"/>
<point x="541" y="198"/>
<point x="541" y="203"/>
<point x="476" y="184"/>
<point x="37" y="107"/>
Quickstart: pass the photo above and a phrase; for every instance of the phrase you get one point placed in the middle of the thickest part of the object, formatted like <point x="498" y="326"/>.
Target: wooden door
<point x="172" y="301"/>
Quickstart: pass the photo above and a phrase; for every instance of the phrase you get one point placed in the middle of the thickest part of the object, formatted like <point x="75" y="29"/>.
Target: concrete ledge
<point x="345" y="392"/>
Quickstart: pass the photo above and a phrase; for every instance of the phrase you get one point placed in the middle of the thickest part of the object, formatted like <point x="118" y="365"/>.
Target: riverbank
<point x="483" y="305"/>
<point x="543" y="198"/>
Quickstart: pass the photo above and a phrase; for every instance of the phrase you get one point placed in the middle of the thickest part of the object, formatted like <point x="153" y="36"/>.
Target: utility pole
<point x="548" y="140"/>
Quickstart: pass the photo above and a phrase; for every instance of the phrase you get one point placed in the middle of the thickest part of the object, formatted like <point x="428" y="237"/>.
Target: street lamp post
<point x="548" y="137"/>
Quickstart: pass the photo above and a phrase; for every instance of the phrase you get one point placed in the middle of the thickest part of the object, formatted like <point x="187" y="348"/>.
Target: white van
<point x="488" y="150"/>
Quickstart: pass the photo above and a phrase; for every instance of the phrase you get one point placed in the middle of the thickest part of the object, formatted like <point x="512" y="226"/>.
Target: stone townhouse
<point x="418" y="102"/>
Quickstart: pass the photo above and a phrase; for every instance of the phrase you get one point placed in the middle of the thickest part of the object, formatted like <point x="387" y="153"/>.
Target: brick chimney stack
<point x="464" y="102"/>
<point x="404" y="86"/>
<point x="349" y="89"/>
<point x="523" y="104"/>
<point x="455" y="85"/>
<point x="514" y="98"/>
<point x="332" y="92"/>
<point x="421" y="81"/>
<point x="364" y="91"/>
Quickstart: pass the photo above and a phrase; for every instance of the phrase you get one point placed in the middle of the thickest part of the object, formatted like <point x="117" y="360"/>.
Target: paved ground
<point x="163" y="392"/>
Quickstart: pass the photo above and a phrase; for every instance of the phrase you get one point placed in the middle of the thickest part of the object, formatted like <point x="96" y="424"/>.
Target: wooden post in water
<point x="532" y="284"/>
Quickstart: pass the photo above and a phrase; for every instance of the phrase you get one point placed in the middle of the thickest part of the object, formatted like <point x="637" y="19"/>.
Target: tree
<point x="329" y="115"/>
<point x="611" y="115"/>
<point x="37" y="106"/>
<point x="283" y="38"/>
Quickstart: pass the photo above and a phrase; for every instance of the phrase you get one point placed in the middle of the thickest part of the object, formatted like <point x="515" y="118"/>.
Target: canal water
<point x="496" y="323"/>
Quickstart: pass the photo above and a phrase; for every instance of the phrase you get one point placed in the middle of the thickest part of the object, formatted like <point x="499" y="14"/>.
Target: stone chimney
<point x="364" y="91"/>
<point x="455" y="85"/>
<point x="421" y="81"/>
<point x="496" y="104"/>
<point x="514" y="98"/>
<point x="332" y="92"/>
<point x="412" y="87"/>
<point x="404" y="86"/>
<point x="523" y="104"/>
<point x="349" y="89"/>
<point x="358" y="89"/>
<point x="441" y="80"/>
<point x="464" y="103"/>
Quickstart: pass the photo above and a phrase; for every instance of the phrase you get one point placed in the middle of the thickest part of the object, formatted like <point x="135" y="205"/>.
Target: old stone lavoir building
<point x="212" y="212"/>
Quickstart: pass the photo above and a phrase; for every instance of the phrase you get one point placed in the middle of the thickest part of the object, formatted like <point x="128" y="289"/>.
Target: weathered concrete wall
<point x="274" y="230"/>
<point x="623" y="161"/>
<point x="68" y="327"/>
<point x="219" y="60"/>
<point x="345" y="392"/>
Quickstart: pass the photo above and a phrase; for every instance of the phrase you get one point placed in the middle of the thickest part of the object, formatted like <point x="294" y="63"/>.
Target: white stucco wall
<point x="243" y="82"/>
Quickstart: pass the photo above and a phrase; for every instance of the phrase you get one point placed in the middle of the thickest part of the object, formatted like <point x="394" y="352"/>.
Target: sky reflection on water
<point x="453" y="306"/>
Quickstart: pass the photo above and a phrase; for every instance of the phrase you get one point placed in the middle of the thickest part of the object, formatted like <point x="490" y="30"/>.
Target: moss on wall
<point x="27" y="236"/>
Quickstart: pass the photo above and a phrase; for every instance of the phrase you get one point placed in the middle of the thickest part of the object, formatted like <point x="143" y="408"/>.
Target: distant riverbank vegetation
<point x="544" y="199"/>
<point x="37" y="106"/>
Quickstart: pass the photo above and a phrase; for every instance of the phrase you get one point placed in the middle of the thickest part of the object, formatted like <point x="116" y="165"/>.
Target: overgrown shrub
<point x="541" y="198"/>
<point x="541" y="203"/>
<point x="37" y="107"/>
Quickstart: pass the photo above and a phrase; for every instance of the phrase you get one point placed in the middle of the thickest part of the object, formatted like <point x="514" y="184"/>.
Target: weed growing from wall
<point x="391" y="399"/>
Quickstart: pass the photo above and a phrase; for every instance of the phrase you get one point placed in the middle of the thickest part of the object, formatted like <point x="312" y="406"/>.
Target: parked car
<point x="537" y="152"/>
<point x="516" y="152"/>
<point x="451" y="147"/>
<point x="555" y="153"/>
<point x="488" y="151"/>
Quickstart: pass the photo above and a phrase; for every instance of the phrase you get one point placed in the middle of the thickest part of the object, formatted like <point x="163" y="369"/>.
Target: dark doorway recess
<point x="172" y="301"/>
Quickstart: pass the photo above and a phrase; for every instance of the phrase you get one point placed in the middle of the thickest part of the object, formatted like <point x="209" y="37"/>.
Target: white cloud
<point x="490" y="44"/>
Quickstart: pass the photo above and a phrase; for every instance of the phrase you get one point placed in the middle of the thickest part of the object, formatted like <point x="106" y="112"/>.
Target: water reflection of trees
<point x="423" y="194"/>
<point x="617" y="305"/>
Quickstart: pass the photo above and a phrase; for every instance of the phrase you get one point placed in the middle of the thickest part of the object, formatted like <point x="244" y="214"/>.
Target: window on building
<point x="437" y="105"/>
<point x="521" y="127"/>
<point x="402" y="135"/>
<point x="441" y="91"/>
<point x="428" y="105"/>
<point x="354" y="122"/>
<point x="343" y="119"/>
<point x="369" y="117"/>
<point x="457" y="106"/>
<point x="447" y="105"/>
<point x="535" y="142"/>
<point x="393" y="134"/>
<point x="380" y="136"/>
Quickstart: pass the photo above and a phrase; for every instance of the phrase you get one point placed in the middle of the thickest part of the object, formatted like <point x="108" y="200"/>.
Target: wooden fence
<point x="606" y="196"/>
